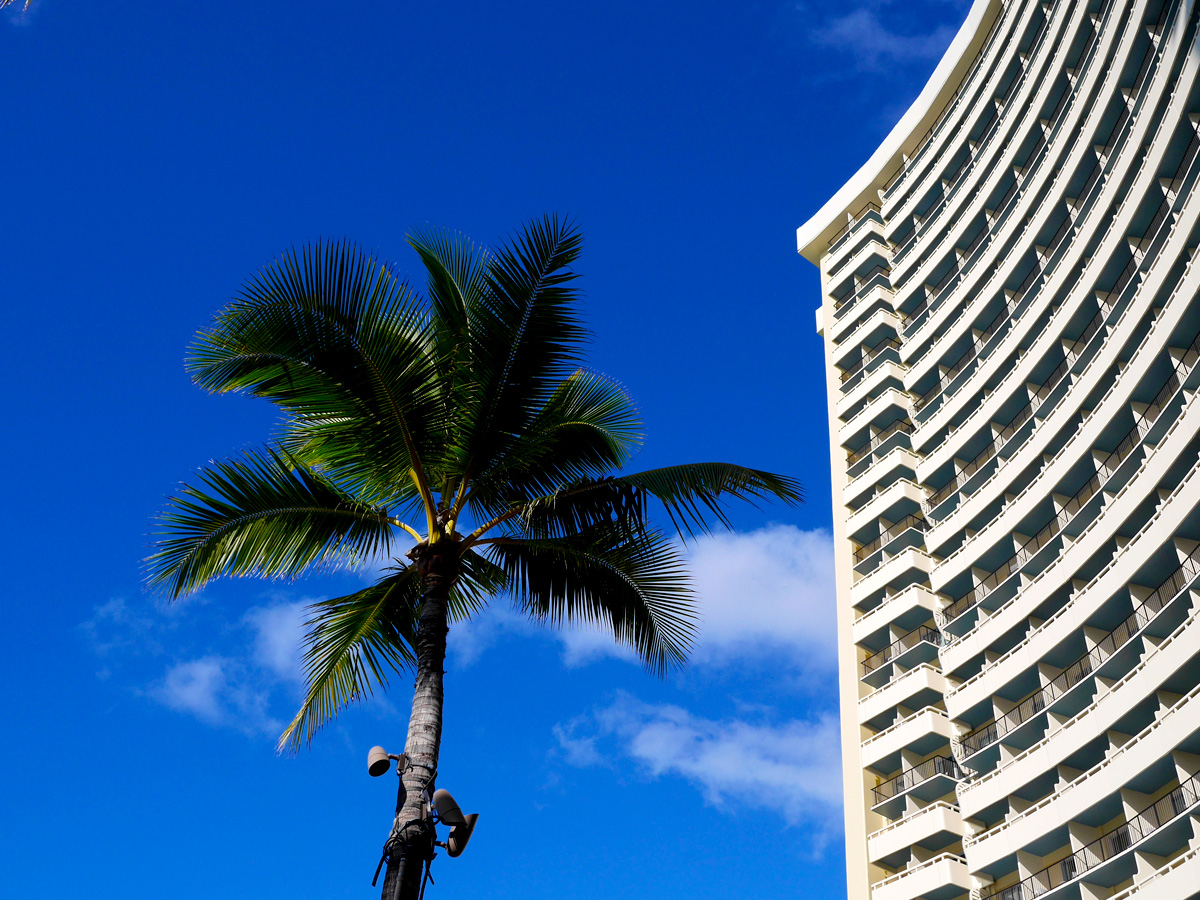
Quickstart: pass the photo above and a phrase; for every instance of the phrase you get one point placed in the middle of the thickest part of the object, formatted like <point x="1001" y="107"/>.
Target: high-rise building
<point x="1011" y="317"/>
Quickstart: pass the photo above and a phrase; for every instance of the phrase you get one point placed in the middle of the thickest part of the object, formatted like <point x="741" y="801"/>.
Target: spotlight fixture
<point x="461" y="826"/>
<point x="379" y="761"/>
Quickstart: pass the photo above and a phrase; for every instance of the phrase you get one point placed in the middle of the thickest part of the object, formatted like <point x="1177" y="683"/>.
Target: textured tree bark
<point x="412" y="834"/>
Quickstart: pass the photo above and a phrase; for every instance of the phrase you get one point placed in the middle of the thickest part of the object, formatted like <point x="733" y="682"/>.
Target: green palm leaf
<point x="265" y="515"/>
<point x="588" y="427"/>
<point x="632" y="584"/>
<point x="343" y="347"/>
<point x="526" y="337"/>
<point x="353" y="644"/>
<point x="693" y="493"/>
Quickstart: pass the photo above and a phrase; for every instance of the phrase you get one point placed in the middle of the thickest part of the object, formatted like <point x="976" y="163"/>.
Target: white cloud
<point x="278" y="632"/>
<point x="875" y="35"/>
<point x="768" y="592"/>
<point x="214" y="690"/>
<point x="770" y="589"/>
<point x="235" y="689"/>
<point x="194" y="687"/>
<point x="791" y="769"/>
<point x="874" y="45"/>
<point x="468" y="640"/>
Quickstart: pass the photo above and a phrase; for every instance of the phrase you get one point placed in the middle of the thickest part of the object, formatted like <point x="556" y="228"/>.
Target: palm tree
<point x="464" y="421"/>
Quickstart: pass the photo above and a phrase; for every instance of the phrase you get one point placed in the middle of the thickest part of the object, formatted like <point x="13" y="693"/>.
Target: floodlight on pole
<point x="379" y="761"/>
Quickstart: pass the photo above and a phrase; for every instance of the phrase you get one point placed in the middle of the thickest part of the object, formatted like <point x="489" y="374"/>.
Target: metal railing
<point x="1112" y="843"/>
<point x="1073" y="674"/>
<point x="845" y="230"/>
<point x="1025" y="552"/>
<point x="1105" y="470"/>
<point x="867" y="549"/>
<point x="1114" y="134"/>
<point x="925" y="141"/>
<point x="910" y="778"/>
<point x="913" y="520"/>
<point x="993" y="122"/>
<point x="865" y="283"/>
<point x="1057" y="238"/>
<point x="869" y="354"/>
<point x="1023" y="415"/>
<point x="900" y="426"/>
<point x="924" y="634"/>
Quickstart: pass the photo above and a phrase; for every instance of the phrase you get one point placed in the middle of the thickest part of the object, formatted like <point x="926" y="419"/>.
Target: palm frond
<point x="588" y="428"/>
<point x="332" y="337"/>
<point x="265" y="515"/>
<point x="693" y="493"/>
<point x="353" y="644"/>
<point x="457" y="271"/>
<point x="526" y="337"/>
<point x="479" y="580"/>
<point x="690" y="494"/>
<point x="635" y="585"/>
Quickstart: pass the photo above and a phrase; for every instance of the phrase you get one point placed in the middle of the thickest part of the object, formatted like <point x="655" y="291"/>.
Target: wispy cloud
<point x="873" y="36"/>
<point x="791" y="769"/>
<point x="217" y="691"/>
<point x="115" y="626"/>
<point x="764" y="593"/>
<point x="278" y="633"/>
<point x="766" y="590"/>
<point x="254" y="677"/>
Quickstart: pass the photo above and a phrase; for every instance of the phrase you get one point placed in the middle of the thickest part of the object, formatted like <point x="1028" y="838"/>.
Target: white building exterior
<point x="1011" y="315"/>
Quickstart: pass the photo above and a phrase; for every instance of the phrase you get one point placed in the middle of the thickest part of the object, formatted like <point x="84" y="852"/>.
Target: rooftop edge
<point x="812" y="238"/>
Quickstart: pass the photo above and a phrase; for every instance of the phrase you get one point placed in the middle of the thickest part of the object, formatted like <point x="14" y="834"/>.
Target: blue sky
<point x="156" y="154"/>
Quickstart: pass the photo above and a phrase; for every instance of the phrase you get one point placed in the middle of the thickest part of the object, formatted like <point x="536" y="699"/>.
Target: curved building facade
<point x="1011" y="316"/>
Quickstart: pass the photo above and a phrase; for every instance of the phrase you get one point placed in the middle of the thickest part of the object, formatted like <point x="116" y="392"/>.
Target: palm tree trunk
<point x="412" y="835"/>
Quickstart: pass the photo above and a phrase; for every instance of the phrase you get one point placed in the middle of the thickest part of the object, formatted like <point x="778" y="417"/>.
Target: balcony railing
<point x="868" y="355"/>
<point x="1105" y="470"/>
<point x="845" y="230"/>
<point x="900" y="426"/>
<point x="1023" y="415"/>
<point x="993" y="122"/>
<point x="1025" y="552"/>
<point x="865" y="283"/>
<point x="1036" y="155"/>
<point x="1109" y="845"/>
<point x="1032" y="163"/>
<point x="867" y="549"/>
<point x="915" y="521"/>
<point x="924" y="634"/>
<point x="1079" y="670"/>
<point x="925" y="141"/>
<point x="910" y="778"/>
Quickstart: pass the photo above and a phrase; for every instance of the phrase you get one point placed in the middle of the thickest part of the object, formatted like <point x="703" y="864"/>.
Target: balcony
<point x="920" y="733"/>
<point x="1077" y="800"/>
<point x="1105" y="659"/>
<point x="930" y="780"/>
<point x="877" y="440"/>
<point x="933" y="828"/>
<point x="849" y="378"/>
<point x="905" y="609"/>
<point x="912" y="649"/>
<point x="1120" y="699"/>
<point x="918" y="687"/>
<point x="1161" y="828"/>
<point x="941" y="878"/>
